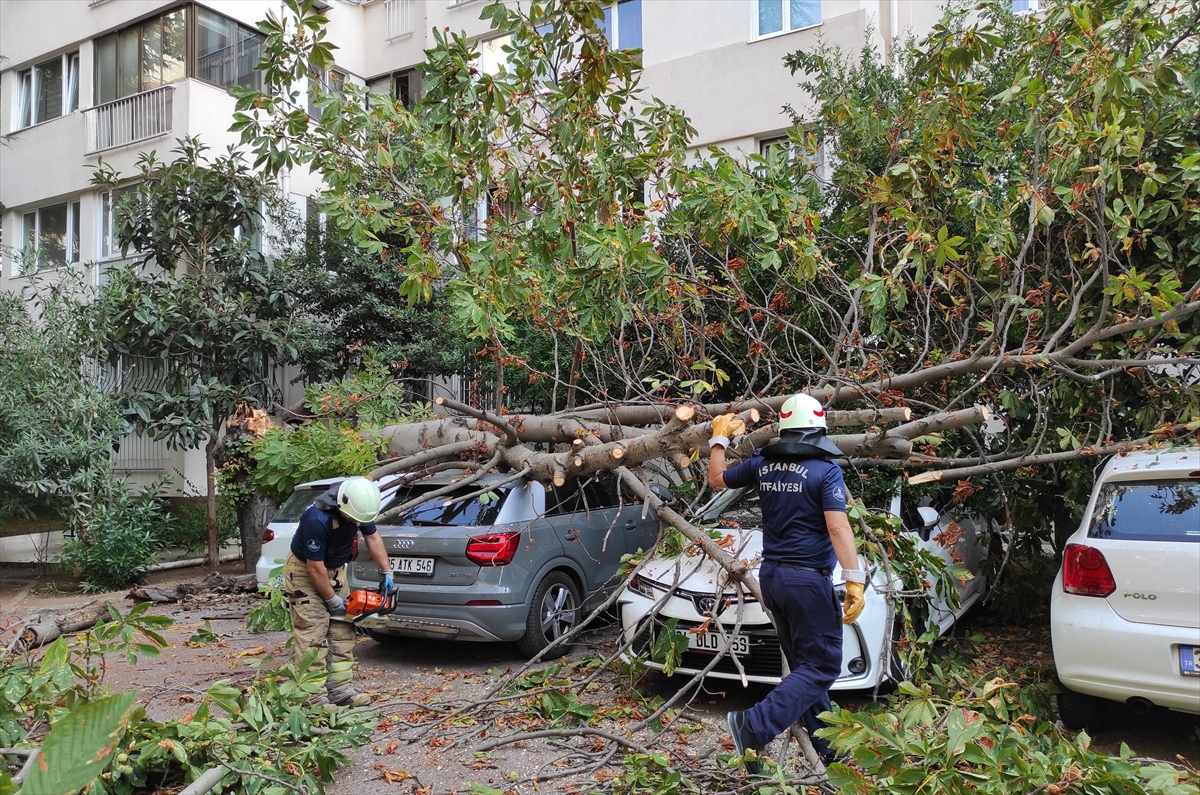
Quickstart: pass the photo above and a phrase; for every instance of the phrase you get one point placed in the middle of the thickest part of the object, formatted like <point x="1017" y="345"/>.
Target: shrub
<point x="120" y="539"/>
<point x="958" y="731"/>
<point x="189" y="531"/>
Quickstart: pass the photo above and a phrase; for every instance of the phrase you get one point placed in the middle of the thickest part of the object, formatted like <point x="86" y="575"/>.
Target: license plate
<point x="712" y="641"/>
<point x="423" y="566"/>
<point x="1187" y="660"/>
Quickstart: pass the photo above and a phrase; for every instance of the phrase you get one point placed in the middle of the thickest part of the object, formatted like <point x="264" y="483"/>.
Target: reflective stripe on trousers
<point x="312" y="628"/>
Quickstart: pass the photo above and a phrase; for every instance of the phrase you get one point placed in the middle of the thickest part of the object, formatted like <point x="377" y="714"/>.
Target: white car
<point x="1125" y="609"/>
<point x="696" y="589"/>
<point x="277" y="537"/>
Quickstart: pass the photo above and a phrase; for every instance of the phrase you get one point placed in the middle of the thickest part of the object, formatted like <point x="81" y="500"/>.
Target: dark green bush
<point x="121" y="538"/>
<point x="189" y="530"/>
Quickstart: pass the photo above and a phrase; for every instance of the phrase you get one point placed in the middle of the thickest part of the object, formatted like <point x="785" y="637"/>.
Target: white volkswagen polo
<point x="1125" y="609"/>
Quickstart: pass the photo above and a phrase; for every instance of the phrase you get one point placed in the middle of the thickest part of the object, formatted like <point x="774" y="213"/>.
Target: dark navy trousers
<point x="809" y="621"/>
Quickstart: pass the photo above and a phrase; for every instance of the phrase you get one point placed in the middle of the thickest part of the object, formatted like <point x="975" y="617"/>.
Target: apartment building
<point x="82" y="80"/>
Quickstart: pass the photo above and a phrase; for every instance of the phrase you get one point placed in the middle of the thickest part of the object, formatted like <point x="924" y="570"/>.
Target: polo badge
<point x="313" y="546"/>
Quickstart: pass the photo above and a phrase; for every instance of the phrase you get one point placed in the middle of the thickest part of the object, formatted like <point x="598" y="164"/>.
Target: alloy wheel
<point x="558" y="611"/>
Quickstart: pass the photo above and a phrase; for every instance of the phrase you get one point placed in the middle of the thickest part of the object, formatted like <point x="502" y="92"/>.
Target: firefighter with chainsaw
<point x="805" y="531"/>
<point x="314" y="578"/>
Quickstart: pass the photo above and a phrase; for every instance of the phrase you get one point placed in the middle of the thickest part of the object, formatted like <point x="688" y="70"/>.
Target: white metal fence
<point x="140" y="453"/>
<point x="129" y="120"/>
<point x="399" y="18"/>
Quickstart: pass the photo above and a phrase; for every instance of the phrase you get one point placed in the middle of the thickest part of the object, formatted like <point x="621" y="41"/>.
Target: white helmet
<point x="801" y="411"/>
<point x="359" y="499"/>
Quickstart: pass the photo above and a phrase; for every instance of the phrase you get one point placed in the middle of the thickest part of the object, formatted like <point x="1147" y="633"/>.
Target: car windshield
<point x="1168" y="510"/>
<point x="478" y="511"/>
<point x="297" y="504"/>
<point x="742" y="508"/>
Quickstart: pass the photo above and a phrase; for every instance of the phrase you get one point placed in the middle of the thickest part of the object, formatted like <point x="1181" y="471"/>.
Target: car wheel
<point x="1080" y="711"/>
<point x="552" y="613"/>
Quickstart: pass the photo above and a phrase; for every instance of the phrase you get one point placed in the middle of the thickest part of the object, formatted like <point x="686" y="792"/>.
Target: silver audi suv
<point x="518" y="563"/>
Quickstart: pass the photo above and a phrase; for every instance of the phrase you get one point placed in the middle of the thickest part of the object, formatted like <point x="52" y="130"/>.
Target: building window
<point x="492" y="55"/>
<point x="406" y="88"/>
<point x="1025" y="6"/>
<point x="328" y="81"/>
<point x="51" y="236"/>
<point x="154" y="53"/>
<point x="781" y="149"/>
<point x="108" y="218"/>
<point x="141" y="57"/>
<point x="47" y="90"/>
<point x="227" y="53"/>
<point x="775" y="16"/>
<point x="625" y="19"/>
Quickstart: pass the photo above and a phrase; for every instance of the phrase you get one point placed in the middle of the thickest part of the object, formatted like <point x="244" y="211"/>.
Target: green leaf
<point x="79" y="746"/>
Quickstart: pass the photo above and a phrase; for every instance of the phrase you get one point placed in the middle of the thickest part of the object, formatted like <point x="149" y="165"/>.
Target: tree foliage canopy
<point x="58" y="426"/>
<point x="197" y="325"/>
<point x="1008" y="217"/>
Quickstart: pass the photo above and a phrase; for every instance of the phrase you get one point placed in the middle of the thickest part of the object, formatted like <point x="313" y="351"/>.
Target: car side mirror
<point x="929" y="519"/>
<point x="662" y="493"/>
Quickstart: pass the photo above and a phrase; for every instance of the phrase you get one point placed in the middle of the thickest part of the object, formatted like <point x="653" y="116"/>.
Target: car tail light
<point x="268" y="535"/>
<point x="494" y="549"/>
<point x="1086" y="572"/>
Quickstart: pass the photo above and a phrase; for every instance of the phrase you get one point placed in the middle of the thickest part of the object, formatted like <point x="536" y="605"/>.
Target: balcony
<point x="127" y="121"/>
<point x="141" y="453"/>
<point x="399" y="18"/>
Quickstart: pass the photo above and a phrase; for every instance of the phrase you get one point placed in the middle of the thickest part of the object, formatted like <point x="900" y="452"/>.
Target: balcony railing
<point x="129" y="120"/>
<point x="140" y="453"/>
<point x="399" y="18"/>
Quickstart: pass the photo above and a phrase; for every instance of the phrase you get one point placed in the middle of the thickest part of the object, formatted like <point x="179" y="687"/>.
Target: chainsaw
<point x="363" y="603"/>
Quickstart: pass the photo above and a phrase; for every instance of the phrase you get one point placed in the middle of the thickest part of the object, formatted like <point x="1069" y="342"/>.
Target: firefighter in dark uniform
<point x="805" y="532"/>
<point x="314" y="578"/>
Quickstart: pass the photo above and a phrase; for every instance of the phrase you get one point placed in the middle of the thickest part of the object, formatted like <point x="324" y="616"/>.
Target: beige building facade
<point x="85" y="80"/>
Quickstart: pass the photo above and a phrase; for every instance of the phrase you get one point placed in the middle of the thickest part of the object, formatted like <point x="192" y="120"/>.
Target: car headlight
<point x="642" y="586"/>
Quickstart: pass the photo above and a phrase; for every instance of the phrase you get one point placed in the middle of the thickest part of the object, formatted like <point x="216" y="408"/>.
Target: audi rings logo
<point x="403" y="543"/>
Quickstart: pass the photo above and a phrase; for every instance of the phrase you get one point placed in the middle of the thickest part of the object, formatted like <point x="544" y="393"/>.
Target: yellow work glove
<point x="853" y="606"/>
<point x="724" y="428"/>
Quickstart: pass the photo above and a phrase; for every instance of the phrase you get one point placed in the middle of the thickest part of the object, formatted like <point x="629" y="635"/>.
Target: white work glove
<point x="336" y="605"/>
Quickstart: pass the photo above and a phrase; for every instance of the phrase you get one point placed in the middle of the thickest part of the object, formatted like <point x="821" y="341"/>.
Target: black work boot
<point x="743" y="740"/>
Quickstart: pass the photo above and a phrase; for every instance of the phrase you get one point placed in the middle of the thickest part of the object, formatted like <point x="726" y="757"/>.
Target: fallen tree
<point x="998" y="279"/>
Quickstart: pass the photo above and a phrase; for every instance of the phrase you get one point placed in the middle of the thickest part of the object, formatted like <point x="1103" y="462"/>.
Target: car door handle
<point x="631" y="525"/>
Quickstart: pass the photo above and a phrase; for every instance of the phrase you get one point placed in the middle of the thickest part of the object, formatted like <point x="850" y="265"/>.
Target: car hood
<point x="697" y="572"/>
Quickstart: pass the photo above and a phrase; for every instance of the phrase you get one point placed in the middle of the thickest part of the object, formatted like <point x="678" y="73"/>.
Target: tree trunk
<point x="253" y="516"/>
<point x="210" y="501"/>
<point x="573" y="377"/>
<point x="499" y="385"/>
